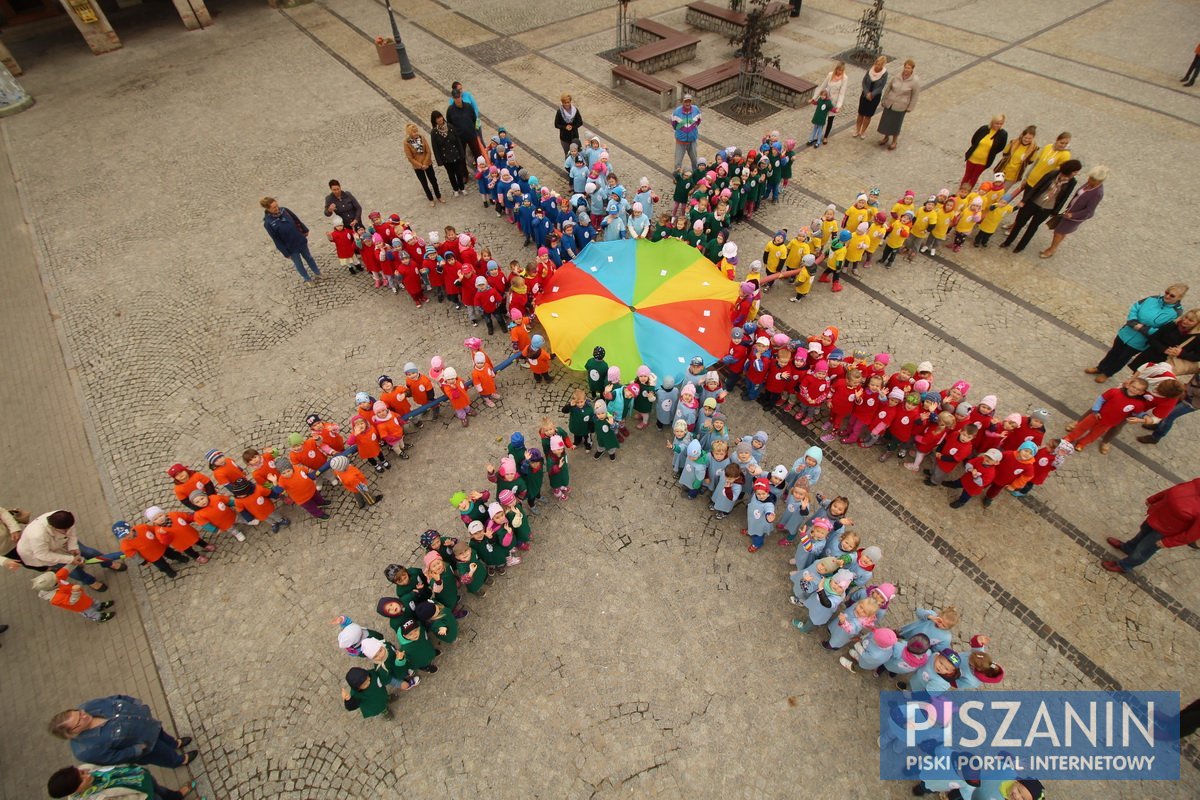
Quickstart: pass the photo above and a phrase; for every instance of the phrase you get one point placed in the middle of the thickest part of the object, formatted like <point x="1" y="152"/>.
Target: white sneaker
<point x="512" y="561"/>
<point x="933" y="251"/>
<point x="241" y="537"/>
<point x="252" y="522"/>
<point x="846" y="663"/>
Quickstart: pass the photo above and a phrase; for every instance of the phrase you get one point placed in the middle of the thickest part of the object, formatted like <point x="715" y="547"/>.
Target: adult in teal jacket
<point x="1145" y="317"/>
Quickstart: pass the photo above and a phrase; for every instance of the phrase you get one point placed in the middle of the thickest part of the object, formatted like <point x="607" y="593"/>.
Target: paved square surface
<point x="639" y="650"/>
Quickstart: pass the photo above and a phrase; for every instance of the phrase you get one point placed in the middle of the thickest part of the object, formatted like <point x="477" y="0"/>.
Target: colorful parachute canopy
<point x="654" y="303"/>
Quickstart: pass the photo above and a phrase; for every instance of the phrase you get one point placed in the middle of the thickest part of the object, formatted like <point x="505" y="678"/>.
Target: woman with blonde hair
<point x="873" y="83"/>
<point x="835" y="83"/>
<point x="986" y="143"/>
<point x="1081" y="207"/>
<point x="420" y="155"/>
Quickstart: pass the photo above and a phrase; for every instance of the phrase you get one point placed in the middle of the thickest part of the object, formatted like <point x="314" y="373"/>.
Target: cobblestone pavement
<point x="640" y="650"/>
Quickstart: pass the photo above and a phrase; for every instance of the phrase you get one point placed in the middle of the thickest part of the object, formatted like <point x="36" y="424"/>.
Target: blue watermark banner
<point x="964" y="736"/>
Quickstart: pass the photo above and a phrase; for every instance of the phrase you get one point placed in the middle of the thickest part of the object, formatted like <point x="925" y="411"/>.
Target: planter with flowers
<point x="385" y="47"/>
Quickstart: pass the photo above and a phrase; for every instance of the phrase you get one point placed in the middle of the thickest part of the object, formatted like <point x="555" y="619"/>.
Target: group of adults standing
<point x="896" y="94"/>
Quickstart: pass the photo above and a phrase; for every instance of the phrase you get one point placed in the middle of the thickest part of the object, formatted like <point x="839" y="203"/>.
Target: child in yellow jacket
<point x="941" y="228"/>
<point x="897" y="234"/>
<point x="856" y="247"/>
<point x="971" y="216"/>
<point x="992" y="216"/>
<point x="876" y="233"/>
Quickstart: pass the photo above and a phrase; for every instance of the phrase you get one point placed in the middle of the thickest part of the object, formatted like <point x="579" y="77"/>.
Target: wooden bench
<point x="783" y="88"/>
<point x="664" y="90"/>
<point x="721" y="20"/>
<point x="646" y="31"/>
<point x="712" y="83"/>
<point x="659" y="55"/>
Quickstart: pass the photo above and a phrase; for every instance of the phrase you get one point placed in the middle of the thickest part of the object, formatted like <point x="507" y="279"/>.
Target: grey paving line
<point x="960" y="560"/>
<point x="1163" y="598"/>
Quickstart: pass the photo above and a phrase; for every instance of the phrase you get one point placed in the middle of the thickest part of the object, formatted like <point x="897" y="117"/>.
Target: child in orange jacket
<point x="520" y="333"/>
<point x="354" y="481"/>
<point x="299" y="485"/>
<point x="389" y="427"/>
<point x="395" y="396"/>
<point x="177" y="531"/>
<point x="420" y="389"/>
<point x="62" y="593"/>
<point x="327" y="435"/>
<point x="456" y="392"/>
<point x="255" y="500"/>
<point x="141" y="540"/>
<point x="483" y="378"/>
<point x="216" y="514"/>
<point x="188" y="481"/>
<point x="538" y="356"/>
<point x="365" y="438"/>
<point x="225" y="470"/>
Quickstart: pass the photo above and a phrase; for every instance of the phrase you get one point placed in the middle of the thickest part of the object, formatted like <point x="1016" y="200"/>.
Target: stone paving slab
<point x="50" y="464"/>
<point x="572" y="679"/>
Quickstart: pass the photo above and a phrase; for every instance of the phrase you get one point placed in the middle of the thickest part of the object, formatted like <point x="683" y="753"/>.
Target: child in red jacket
<point x="434" y="268"/>
<point x="930" y="436"/>
<point x="1124" y="402"/>
<point x="1050" y="457"/>
<point x="409" y="273"/>
<point x="978" y="476"/>
<point x="62" y="593"/>
<point x="490" y="304"/>
<point x="900" y="430"/>
<point x="370" y="259"/>
<point x="844" y="394"/>
<point x="813" y="390"/>
<point x="345" y="244"/>
<point x="954" y="450"/>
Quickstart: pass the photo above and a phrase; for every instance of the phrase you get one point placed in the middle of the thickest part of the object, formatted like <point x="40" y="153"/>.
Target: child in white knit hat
<point x="59" y="591"/>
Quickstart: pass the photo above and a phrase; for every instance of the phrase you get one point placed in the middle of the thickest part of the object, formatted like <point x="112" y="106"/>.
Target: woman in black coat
<point x="986" y="143"/>
<point x="448" y="150"/>
<point x="1041" y="202"/>
<point x="568" y="120"/>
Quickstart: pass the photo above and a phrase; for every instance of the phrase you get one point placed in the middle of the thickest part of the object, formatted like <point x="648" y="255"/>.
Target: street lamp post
<point x="406" y="68"/>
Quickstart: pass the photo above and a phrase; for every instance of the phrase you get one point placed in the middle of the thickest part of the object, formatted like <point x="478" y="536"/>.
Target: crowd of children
<point x="855" y="399"/>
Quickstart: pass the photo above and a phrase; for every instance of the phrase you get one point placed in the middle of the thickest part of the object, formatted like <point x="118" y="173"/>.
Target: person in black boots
<point x="1041" y="202"/>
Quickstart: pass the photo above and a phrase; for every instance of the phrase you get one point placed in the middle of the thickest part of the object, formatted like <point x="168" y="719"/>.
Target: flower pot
<point x="387" y="51"/>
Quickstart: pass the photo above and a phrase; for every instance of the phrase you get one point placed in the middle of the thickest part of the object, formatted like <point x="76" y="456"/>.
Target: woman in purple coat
<point x="1082" y="207"/>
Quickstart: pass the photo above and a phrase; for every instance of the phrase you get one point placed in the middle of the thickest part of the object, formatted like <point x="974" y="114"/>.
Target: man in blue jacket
<point x="119" y="730"/>
<point x="1145" y="317"/>
<point x="686" y="122"/>
<point x="290" y="236"/>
